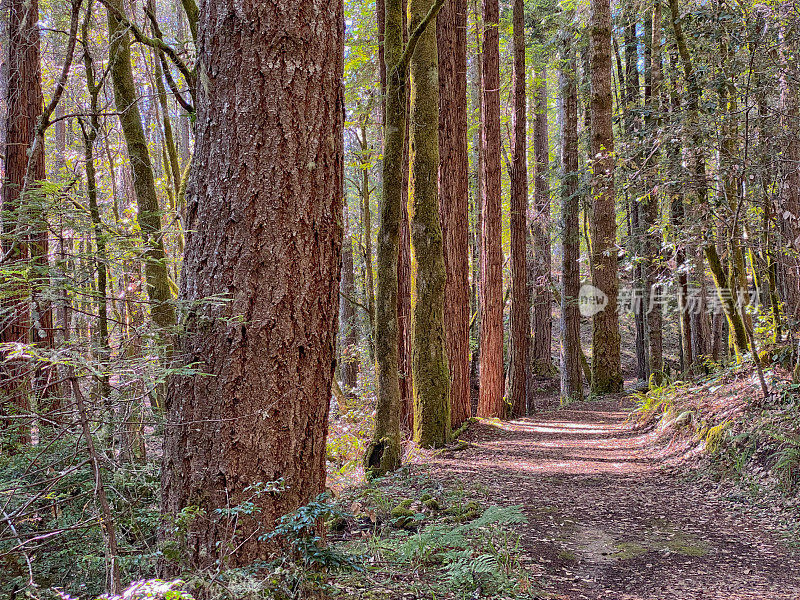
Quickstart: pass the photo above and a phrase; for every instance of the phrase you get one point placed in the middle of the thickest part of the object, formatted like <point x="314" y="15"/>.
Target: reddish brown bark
<point x="541" y="358"/>
<point x="490" y="401"/>
<point x="454" y="196"/>
<point x="264" y="212"/>
<point x="24" y="102"/>
<point x="570" y="351"/>
<point x="606" y="361"/>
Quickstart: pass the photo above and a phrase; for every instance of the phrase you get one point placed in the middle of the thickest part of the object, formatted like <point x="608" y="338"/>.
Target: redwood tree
<point x="541" y="359"/>
<point x="606" y="365"/>
<point x="451" y="25"/>
<point x="24" y="104"/>
<point x="264" y="220"/>
<point x="490" y="401"/>
<point x="571" y="386"/>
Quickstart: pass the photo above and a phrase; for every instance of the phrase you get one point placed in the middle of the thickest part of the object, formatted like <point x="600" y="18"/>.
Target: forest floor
<point x="610" y="516"/>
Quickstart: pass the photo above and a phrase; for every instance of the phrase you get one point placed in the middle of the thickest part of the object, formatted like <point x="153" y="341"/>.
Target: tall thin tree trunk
<point x="630" y="84"/>
<point x="490" y="402"/>
<point x="541" y="359"/>
<point x="520" y="302"/>
<point x="570" y="338"/>
<point x="451" y="26"/>
<point x="477" y="144"/>
<point x="162" y="309"/>
<point x="606" y="362"/>
<point x="348" y="336"/>
<point x="365" y="156"/>
<point x="652" y="240"/>
<point x="405" y="348"/>
<point x="789" y="199"/>
<point x="269" y="242"/>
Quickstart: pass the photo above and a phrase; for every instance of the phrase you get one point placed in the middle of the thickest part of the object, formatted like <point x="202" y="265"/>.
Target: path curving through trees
<point x="607" y="520"/>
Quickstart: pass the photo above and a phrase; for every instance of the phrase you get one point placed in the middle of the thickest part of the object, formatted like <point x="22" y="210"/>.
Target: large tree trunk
<point x="431" y="378"/>
<point x="451" y="25"/>
<point x="541" y="353"/>
<point x="162" y="309"/>
<point x="520" y="309"/>
<point x="19" y="243"/>
<point x="490" y="401"/>
<point x="606" y="366"/>
<point x="264" y="215"/>
<point x="571" y="386"/>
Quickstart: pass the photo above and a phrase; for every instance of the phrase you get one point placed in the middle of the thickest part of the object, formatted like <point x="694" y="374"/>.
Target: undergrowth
<point x="745" y="437"/>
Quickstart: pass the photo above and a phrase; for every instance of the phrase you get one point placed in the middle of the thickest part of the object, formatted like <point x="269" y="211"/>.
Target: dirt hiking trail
<point x="608" y="521"/>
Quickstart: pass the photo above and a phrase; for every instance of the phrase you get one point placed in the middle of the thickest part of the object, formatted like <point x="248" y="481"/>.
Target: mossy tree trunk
<point x="606" y="361"/>
<point x="431" y="379"/>
<point x="383" y="452"/>
<point x="520" y="302"/>
<point x="162" y="309"/>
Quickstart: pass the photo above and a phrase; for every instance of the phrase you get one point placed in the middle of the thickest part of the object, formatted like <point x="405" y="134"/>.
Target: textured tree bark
<point x="541" y="359"/>
<point x="490" y="401"/>
<point x="162" y="310"/>
<point x="451" y="31"/>
<point x="264" y="214"/>
<point x="520" y="301"/>
<point x="570" y="351"/>
<point x="606" y="362"/>
<point x="347" y="313"/>
<point x="430" y="373"/>
<point x="23" y="100"/>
